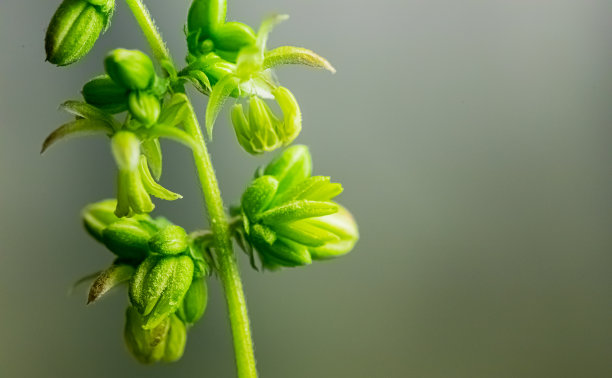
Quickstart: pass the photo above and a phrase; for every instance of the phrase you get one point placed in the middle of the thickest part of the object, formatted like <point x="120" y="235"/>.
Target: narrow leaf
<point x="306" y="233"/>
<point x="297" y="210"/>
<point x="296" y="55"/>
<point x="110" y="278"/>
<point x="87" y="111"/>
<point x="153" y="187"/>
<point x="80" y="127"/>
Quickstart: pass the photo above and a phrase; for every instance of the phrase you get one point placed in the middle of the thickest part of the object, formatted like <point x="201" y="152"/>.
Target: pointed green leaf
<point x="80" y="127"/>
<point x="287" y="253"/>
<point x="152" y="187"/>
<point x="295" y="55"/>
<point x="306" y="233"/>
<point x="111" y="277"/>
<point x="297" y="210"/>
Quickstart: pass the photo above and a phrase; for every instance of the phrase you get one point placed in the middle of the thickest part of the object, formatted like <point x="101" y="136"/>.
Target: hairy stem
<point x="228" y="266"/>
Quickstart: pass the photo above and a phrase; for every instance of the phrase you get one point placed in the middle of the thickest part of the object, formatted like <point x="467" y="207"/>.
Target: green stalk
<point x="228" y="266"/>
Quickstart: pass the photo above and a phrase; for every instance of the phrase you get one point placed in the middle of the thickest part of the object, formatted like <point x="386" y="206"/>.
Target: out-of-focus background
<point x="472" y="138"/>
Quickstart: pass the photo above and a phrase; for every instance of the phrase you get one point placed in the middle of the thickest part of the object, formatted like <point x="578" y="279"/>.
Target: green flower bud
<point x="98" y="216"/>
<point x="128" y="239"/>
<point x="131" y="69"/>
<point x="102" y="92"/>
<point x="175" y="340"/>
<point x="74" y="29"/>
<point x="194" y="304"/>
<point x="159" y="285"/>
<point x="146" y="345"/>
<point x="262" y="131"/>
<point x="233" y="36"/>
<point x="289" y="218"/>
<point x="205" y="16"/>
<point x="144" y="107"/>
<point x="171" y="240"/>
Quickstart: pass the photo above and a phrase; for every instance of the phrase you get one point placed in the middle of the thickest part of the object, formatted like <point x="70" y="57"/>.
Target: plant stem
<point x="228" y="267"/>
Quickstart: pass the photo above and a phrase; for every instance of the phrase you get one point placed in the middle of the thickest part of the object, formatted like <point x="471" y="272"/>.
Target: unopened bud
<point x="131" y="69"/>
<point x="146" y="345"/>
<point x="175" y="340"/>
<point x="205" y="16"/>
<point x="74" y="29"/>
<point x="159" y="285"/>
<point x="128" y="239"/>
<point x="171" y="240"/>
<point x="232" y="36"/>
<point x="194" y="304"/>
<point x="144" y="107"/>
<point x="102" y="92"/>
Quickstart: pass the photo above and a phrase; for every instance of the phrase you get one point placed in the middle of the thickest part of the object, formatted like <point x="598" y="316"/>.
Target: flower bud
<point x="98" y="216"/>
<point x="289" y="218"/>
<point x="102" y="92"/>
<point x="171" y="240"/>
<point x="262" y="131"/>
<point x="205" y="16"/>
<point x="158" y="287"/>
<point x="232" y="36"/>
<point x="175" y="340"/>
<point x="131" y="69"/>
<point x="144" y="107"/>
<point x="146" y="345"/>
<point x="194" y="304"/>
<point x="74" y="29"/>
<point x="128" y="239"/>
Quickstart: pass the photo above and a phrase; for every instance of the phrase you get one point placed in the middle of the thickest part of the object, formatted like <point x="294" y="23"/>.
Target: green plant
<point x="286" y="216"/>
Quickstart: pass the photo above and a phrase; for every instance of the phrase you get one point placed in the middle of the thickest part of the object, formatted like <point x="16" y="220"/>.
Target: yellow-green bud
<point x="131" y="69"/>
<point x="74" y="29"/>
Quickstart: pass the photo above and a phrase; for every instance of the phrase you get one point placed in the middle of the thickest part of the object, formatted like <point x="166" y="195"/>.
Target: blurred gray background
<point x="472" y="138"/>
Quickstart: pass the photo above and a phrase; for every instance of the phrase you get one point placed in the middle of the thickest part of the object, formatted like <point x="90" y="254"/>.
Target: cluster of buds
<point x="165" y="269"/>
<point x="130" y="84"/>
<point x="289" y="217"/>
<point x="75" y="28"/>
<point x="228" y="59"/>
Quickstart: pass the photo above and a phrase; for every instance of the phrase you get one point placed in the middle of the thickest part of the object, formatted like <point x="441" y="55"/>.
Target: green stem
<point x="228" y="267"/>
